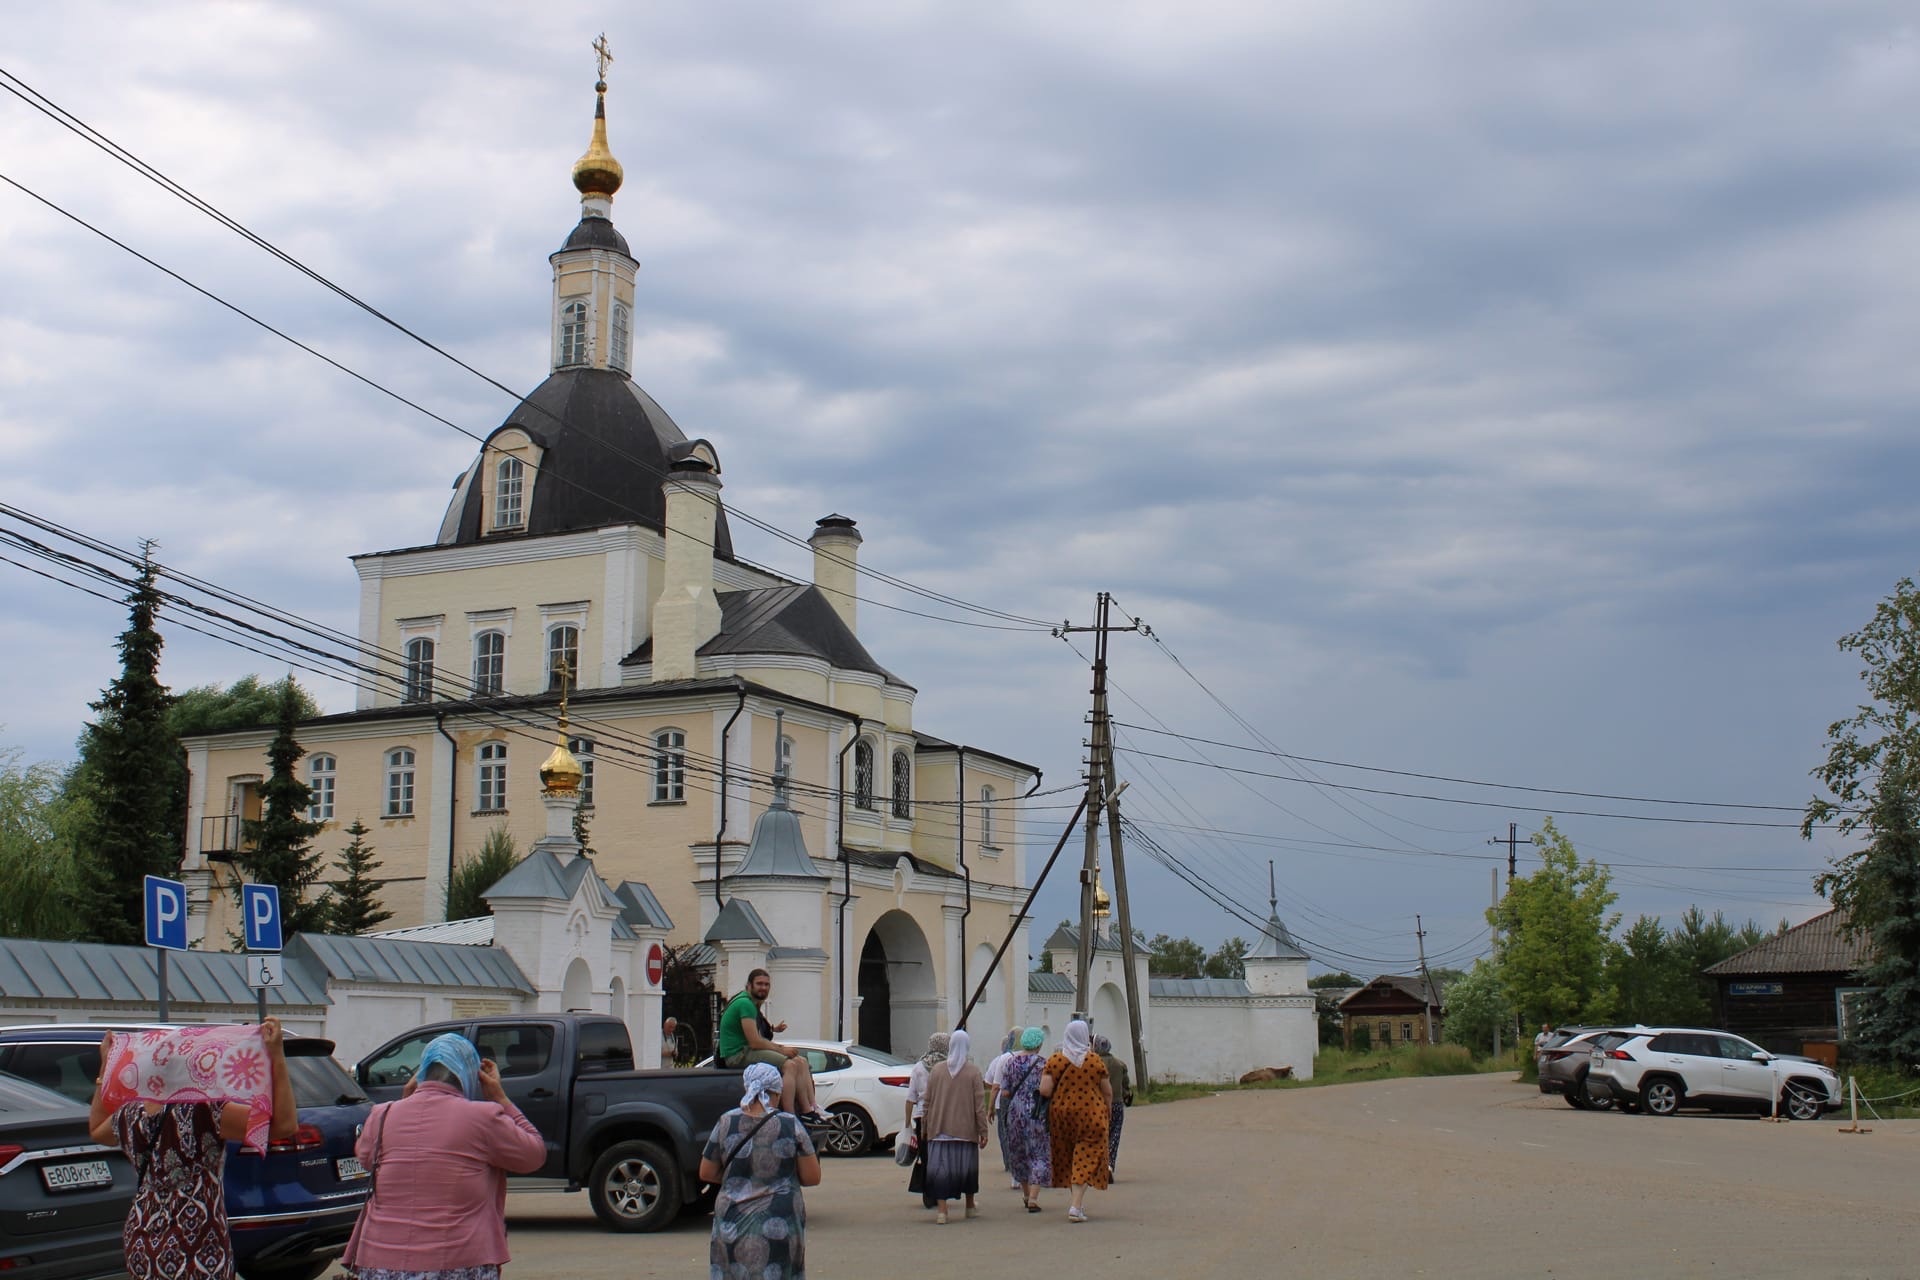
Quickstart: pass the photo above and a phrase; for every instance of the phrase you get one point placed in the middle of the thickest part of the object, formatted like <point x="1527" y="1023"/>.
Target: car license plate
<point x="76" y="1175"/>
<point x="347" y="1169"/>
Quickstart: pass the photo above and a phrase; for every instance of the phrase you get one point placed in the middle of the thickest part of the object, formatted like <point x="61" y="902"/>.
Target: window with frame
<point x="619" y="357"/>
<point x="1406" y="1032"/>
<point x="489" y="663"/>
<point x="399" y="784"/>
<point x="1386" y="1034"/>
<point x="902" y="781"/>
<point x="783" y="756"/>
<point x="509" y="492"/>
<point x="563" y="646"/>
<point x="863" y="774"/>
<point x="320" y="775"/>
<point x="669" y="767"/>
<point x="490" y="782"/>
<point x="986" y="816"/>
<point x="419" y="679"/>
<point x="573" y="333"/>
<point x="582" y="749"/>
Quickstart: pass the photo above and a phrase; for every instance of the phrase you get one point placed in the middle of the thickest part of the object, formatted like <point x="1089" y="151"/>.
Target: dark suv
<point x="63" y="1197"/>
<point x="292" y="1209"/>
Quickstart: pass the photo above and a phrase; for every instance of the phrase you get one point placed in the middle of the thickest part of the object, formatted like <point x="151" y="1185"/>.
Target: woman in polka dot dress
<point x="1081" y="1102"/>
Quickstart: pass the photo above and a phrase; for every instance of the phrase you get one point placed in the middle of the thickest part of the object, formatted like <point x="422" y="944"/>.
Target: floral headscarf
<point x="936" y="1050"/>
<point x="762" y="1084"/>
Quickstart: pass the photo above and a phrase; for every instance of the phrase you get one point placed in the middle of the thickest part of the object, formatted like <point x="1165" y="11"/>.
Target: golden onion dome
<point x="561" y="774"/>
<point x="597" y="173"/>
<point x="1101" y="902"/>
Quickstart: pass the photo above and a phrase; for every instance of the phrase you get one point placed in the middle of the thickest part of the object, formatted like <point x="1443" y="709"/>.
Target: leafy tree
<point x="1342" y="979"/>
<point x="1229" y="960"/>
<point x="1476" y="1007"/>
<point x="480" y="873"/>
<point x="1554" y="936"/>
<point x="282" y="852"/>
<point x="247" y="703"/>
<point x="40" y="877"/>
<point x="130" y="786"/>
<point x="1175" y="957"/>
<point x="1362" y="1037"/>
<point x="1872" y="777"/>
<point x="353" y="902"/>
<point x="1644" y="972"/>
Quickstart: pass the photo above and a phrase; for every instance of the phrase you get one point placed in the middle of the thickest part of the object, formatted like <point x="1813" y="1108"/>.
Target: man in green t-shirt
<point x="746" y="1037"/>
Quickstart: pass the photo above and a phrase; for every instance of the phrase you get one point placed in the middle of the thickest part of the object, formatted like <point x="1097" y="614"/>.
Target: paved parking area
<point x="1460" y="1176"/>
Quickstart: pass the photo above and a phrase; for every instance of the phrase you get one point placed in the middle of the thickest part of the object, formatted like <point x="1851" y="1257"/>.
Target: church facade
<point x="586" y="552"/>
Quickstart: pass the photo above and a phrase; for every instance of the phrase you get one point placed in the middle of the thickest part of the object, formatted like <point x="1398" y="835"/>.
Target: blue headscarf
<point x="1032" y="1038"/>
<point x="1012" y="1041"/>
<point x="456" y="1053"/>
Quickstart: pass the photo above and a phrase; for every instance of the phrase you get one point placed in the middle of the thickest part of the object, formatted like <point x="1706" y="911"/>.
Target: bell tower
<point x="594" y="272"/>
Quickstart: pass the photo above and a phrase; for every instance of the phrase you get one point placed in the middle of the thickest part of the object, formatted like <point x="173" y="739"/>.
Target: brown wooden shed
<point x="1784" y="993"/>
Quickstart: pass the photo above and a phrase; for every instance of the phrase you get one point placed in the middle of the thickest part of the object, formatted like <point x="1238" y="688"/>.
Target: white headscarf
<point x="762" y="1084"/>
<point x="956" y="1052"/>
<point x="1078" y="1042"/>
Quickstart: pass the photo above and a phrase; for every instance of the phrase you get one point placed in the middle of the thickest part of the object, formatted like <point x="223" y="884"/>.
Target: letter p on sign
<point x="260" y="908"/>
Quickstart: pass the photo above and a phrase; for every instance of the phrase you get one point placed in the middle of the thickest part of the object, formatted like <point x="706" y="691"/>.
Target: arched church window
<point x="863" y="774"/>
<point x="419" y="685"/>
<point x="669" y="767"/>
<point x="509" y="493"/>
<point x="320" y="775"/>
<point x="902" y="785"/>
<point x="491" y="778"/>
<point x="563" y="646"/>
<point x="489" y="664"/>
<point x="573" y="333"/>
<point x="399" y="784"/>
<point x="620" y="357"/>
<point x="986" y="816"/>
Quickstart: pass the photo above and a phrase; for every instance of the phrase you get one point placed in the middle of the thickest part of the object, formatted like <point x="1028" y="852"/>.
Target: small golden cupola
<point x="597" y="175"/>
<point x="561" y="774"/>
<point x="1102" y="904"/>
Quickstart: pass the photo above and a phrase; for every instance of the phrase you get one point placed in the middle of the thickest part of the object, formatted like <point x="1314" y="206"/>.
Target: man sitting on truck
<point x="746" y="1037"/>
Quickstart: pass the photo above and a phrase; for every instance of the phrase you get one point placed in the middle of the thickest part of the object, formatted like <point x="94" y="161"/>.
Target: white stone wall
<point x="1204" y="1039"/>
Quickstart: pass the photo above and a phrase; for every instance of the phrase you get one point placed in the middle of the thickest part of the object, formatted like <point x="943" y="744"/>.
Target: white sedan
<point x="862" y="1090"/>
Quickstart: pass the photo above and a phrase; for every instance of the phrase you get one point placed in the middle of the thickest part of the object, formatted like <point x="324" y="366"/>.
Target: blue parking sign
<point x="166" y="913"/>
<point x="260" y="916"/>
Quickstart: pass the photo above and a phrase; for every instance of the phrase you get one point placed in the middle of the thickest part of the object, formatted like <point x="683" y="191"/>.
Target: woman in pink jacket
<point x="440" y="1158"/>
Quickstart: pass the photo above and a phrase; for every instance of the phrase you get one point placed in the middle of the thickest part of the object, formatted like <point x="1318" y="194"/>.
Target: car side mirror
<point x="1758" y="1056"/>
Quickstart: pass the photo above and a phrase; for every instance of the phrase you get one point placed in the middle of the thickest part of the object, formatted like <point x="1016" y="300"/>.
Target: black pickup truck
<point x="631" y="1138"/>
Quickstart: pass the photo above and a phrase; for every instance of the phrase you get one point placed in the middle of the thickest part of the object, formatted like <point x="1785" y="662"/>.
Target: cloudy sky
<point x="1515" y="394"/>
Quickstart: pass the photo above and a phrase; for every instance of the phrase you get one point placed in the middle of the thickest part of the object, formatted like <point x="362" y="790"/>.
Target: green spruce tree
<point x="130" y="785"/>
<point x="480" y="873"/>
<point x="353" y="903"/>
<point x="282" y="852"/>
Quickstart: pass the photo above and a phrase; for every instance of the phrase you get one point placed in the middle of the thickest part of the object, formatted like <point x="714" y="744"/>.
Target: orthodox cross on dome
<point x="561" y="774"/>
<point x="602" y="55"/>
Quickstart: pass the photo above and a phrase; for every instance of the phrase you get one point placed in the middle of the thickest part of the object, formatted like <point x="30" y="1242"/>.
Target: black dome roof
<point x="607" y="449"/>
<point x="596" y="233"/>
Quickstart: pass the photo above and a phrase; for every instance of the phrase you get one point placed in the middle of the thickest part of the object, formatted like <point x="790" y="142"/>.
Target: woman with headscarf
<point x="1122" y="1082"/>
<point x="760" y="1157"/>
<point x="995" y="1077"/>
<point x="955" y="1123"/>
<point x="440" y="1157"/>
<point x="1028" y="1150"/>
<point x="916" y="1107"/>
<point x="1081" y="1100"/>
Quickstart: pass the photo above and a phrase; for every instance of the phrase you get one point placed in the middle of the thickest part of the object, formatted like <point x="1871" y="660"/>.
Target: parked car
<point x="290" y="1210"/>
<point x="863" y="1091"/>
<point x="1565" y="1058"/>
<point x="1663" y="1069"/>
<point x="63" y="1197"/>
<point x="632" y="1139"/>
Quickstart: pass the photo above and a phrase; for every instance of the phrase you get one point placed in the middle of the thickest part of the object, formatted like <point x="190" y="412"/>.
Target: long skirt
<point x="953" y="1168"/>
<point x="1115" y="1118"/>
<point x="1000" y="1132"/>
<point x="1027" y="1146"/>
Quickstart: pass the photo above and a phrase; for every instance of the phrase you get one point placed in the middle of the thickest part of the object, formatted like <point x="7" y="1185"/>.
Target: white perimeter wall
<point x="1209" y="1040"/>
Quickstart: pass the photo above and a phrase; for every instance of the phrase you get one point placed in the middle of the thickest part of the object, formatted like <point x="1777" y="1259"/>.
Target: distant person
<point x="1122" y="1082"/>
<point x="669" y="1044"/>
<point x="996" y="1080"/>
<point x="759" y="1158"/>
<point x="746" y="1037"/>
<point x="1546" y="1033"/>
<point x="1027" y="1146"/>
<point x="917" y="1107"/>
<point x="440" y="1157"/>
<point x="176" y="1227"/>
<point x="1080" y="1100"/>
<point x="956" y="1128"/>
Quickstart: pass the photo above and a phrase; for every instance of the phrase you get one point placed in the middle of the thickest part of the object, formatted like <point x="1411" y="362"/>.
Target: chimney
<point x="687" y="614"/>
<point x="836" y="557"/>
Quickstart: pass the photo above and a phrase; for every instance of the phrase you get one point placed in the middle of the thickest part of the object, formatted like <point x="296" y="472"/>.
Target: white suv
<point x="1663" y="1069"/>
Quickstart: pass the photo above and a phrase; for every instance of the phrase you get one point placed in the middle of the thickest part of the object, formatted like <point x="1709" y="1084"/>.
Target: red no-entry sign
<point x="656" y="964"/>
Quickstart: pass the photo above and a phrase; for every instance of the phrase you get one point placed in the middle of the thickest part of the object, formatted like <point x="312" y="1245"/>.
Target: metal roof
<point x="94" y="972"/>
<point x="779" y="848"/>
<point x="1821" y="945"/>
<point x="1202" y="988"/>
<point x="1276" y="943"/>
<point x="542" y="875"/>
<point x="1067" y="938"/>
<point x="739" y="922"/>
<point x="395" y="960"/>
<point x="641" y="909"/>
<point x="477" y="932"/>
<point x="1049" y="983"/>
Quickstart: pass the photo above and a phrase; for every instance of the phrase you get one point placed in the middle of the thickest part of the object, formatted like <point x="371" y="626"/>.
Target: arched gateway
<point x="899" y="1003"/>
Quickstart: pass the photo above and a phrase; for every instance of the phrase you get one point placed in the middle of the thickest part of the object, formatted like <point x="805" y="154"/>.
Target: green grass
<point x="1883" y="1082"/>
<point x="1339" y="1066"/>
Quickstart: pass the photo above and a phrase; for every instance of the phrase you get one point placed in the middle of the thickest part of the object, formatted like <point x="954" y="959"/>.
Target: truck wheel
<point x="634" y="1186"/>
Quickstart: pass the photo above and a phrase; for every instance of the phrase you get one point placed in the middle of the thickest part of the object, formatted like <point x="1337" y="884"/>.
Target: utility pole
<point x="1420" y="939"/>
<point x="1495" y="877"/>
<point x="1104" y="794"/>
<point x="1513" y="842"/>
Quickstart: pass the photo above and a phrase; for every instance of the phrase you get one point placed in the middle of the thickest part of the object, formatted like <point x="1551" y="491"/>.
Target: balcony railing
<point x="223" y="836"/>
